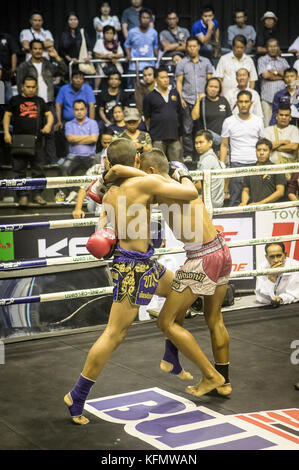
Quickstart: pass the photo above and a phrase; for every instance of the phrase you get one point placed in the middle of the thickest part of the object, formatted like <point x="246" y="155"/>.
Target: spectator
<point x="192" y="73"/>
<point x="271" y="69"/>
<point x="130" y="17"/>
<point x="263" y="189"/>
<point x="108" y="48"/>
<point x="94" y="170"/>
<point x="268" y="31"/>
<point x="99" y="22"/>
<point x="162" y="108"/>
<point x="118" y="124"/>
<point x="211" y="110"/>
<point x="110" y="97"/>
<point x="293" y="187"/>
<point x="141" y="139"/>
<point x="36" y="31"/>
<point x="242" y="77"/>
<point x="288" y="95"/>
<point x="284" y="137"/>
<point x="240" y="133"/>
<point x="144" y="86"/>
<point x="142" y="41"/>
<point x="240" y="27"/>
<point x="27" y="112"/>
<point x="294" y="47"/>
<point x="8" y="59"/>
<point x="71" y="92"/>
<point x="209" y="161"/>
<point x="82" y="134"/>
<point x="207" y="31"/>
<point x="173" y="39"/>
<point x="71" y="40"/>
<point x="230" y="63"/>
<point x="278" y="288"/>
<point x="44" y="71"/>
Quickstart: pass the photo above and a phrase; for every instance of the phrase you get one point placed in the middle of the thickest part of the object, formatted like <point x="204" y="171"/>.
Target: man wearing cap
<point x="268" y="31"/>
<point x="141" y="139"/>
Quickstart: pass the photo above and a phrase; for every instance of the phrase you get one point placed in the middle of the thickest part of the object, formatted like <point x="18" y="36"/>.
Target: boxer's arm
<point x="154" y="185"/>
<point x="122" y="171"/>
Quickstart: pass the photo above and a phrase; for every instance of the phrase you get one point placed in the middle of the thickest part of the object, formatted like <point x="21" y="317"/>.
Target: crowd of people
<point x="236" y="94"/>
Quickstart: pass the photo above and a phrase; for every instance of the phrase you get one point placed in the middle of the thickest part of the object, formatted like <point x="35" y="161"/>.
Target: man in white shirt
<point x="240" y="133"/>
<point x="36" y="31"/>
<point x="242" y="77"/>
<point x="230" y="63"/>
<point x="284" y="137"/>
<point x="279" y="288"/>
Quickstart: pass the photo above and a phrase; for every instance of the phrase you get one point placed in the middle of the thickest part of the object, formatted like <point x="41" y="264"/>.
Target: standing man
<point x="192" y="72"/>
<point x="44" y="71"/>
<point x="240" y="27"/>
<point x="144" y="86"/>
<point x="173" y="39"/>
<point x="142" y="41"/>
<point x="161" y="109"/>
<point x="240" y="133"/>
<point x="130" y="17"/>
<point x="28" y="113"/>
<point x="36" y="31"/>
<point x="242" y="77"/>
<point x="271" y="69"/>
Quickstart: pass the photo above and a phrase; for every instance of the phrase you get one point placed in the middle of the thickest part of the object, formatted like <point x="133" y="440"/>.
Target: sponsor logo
<point x="76" y="247"/>
<point x="6" y="246"/>
<point x="295" y="354"/>
<point x="170" y="422"/>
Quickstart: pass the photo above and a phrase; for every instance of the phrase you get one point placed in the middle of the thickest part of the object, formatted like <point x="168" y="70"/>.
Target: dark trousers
<point x="20" y="164"/>
<point x="187" y="123"/>
<point x="236" y="185"/>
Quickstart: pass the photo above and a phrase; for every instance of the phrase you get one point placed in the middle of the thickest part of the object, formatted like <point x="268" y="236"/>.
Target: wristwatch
<point x="275" y="72"/>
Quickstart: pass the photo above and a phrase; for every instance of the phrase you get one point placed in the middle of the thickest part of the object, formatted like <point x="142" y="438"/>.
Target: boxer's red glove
<point x="97" y="189"/>
<point x="102" y="244"/>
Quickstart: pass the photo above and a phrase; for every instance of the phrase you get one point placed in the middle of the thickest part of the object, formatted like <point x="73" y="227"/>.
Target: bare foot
<point x="167" y="367"/>
<point x="225" y="390"/>
<point x="206" y="385"/>
<point x="76" y="419"/>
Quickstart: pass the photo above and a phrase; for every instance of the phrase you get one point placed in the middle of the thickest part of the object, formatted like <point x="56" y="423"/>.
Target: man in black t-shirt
<point x="29" y="115"/>
<point x="109" y="98"/>
<point x="263" y="189"/>
<point x="162" y="108"/>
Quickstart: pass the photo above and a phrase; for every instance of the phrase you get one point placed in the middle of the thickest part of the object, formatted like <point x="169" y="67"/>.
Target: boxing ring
<point x="262" y="412"/>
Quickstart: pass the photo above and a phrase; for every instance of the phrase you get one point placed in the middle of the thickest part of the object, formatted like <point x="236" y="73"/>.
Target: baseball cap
<point x="131" y="114"/>
<point x="269" y="14"/>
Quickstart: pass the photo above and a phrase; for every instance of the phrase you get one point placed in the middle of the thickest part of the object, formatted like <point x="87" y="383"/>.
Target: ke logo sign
<point x="170" y="422"/>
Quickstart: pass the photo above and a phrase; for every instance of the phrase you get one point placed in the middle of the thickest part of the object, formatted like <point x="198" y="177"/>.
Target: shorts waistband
<point x="214" y="245"/>
<point x="127" y="256"/>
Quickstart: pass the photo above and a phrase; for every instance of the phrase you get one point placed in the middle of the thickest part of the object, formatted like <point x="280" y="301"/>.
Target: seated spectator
<point x="142" y="42"/>
<point x="99" y="22"/>
<point x="240" y="133"/>
<point x="144" y="86"/>
<point x="82" y="134"/>
<point x="26" y="111"/>
<point x="173" y="39"/>
<point x="108" y="48"/>
<point x="110" y="97"/>
<point x="36" y="31"/>
<point x="130" y="17"/>
<point x="242" y="77"/>
<point x="68" y="94"/>
<point x="96" y="170"/>
<point x="118" y="124"/>
<point x="284" y="137"/>
<point x="230" y="63"/>
<point x="209" y="161"/>
<point x="141" y="139"/>
<point x="288" y="95"/>
<point x="240" y="27"/>
<point x="211" y="110"/>
<point x="293" y="187"/>
<point x="263" y="189"/>
<point x="207" y="31"/>
<point x="162" y="108"/>
<point x="8" y="59"/>
<point x="271" y="69"/>
<point x="278" y="288"/>
<point x="71" y="40"/>
<point x="268" y="31"/>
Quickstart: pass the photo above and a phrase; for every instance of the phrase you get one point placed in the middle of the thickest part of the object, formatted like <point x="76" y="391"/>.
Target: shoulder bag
<point x="25" y="144"/>
<point x="86" y="68"/>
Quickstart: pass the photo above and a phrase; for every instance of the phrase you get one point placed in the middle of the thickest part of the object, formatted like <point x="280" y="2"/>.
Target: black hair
<point x="156" y="158"/>
<point x="244" y="92"/>
<point x="121" y="151"/>
<point x="80" y="101"/>
<point x="271" y="40"/>
<point x="77" y="71"/>
<point x="36" y="40"/>
<point x="149" y="67"/>
<point x="218" y="80"/>
<point x="206" y="133"/>
<point x="290" y="70"/>
<point x="276" y="243"/>
<point x="106" y="130"/>
<point x="264" y="141"/>
<point x="239" y="10"/>
<point x="27" y="78"/>
<point x="145" y="10"/>
<point x="114" y="72"/>
<point x="36" y="12"/>
<point x="206" y="8"/>
<point x="71" y="13"/>
<point x="193" y="38"/>
<point x="162" y="68"/>
<point x="240" y="38"/>
<point x="284" y="107"/>
<point x="108" y="27"/>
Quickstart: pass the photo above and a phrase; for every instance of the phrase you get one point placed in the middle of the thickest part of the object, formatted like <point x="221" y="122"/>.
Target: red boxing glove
<point x="96" y="191"/>
<point x="102" y="244"/>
